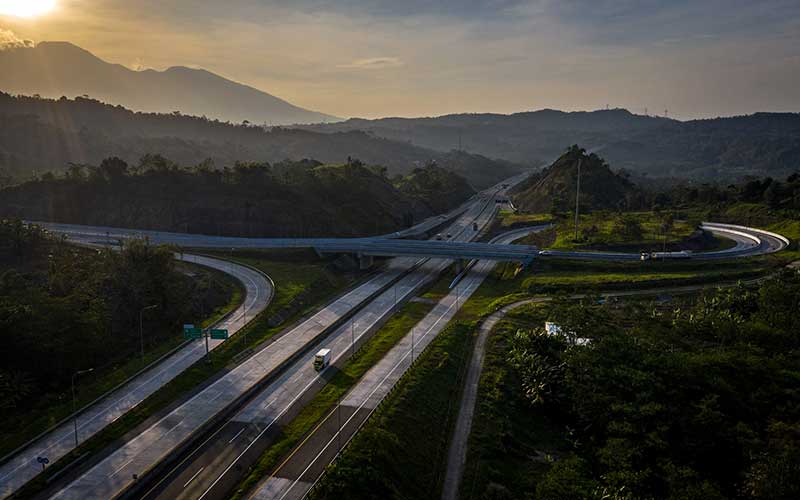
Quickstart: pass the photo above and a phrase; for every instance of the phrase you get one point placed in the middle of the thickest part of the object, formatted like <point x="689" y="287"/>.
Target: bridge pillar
<point x="459" y="266"/>
<point x="364" y="261"/>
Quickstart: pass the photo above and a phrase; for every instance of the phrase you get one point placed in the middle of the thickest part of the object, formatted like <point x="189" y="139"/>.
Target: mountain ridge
<point x="59" y="68"/>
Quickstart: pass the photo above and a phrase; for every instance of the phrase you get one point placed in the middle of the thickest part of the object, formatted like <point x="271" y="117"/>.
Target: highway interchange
<point x="201" y="448"/>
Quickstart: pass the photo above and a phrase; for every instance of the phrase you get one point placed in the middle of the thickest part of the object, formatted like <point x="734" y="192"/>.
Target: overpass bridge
<point x="362" y="247"/>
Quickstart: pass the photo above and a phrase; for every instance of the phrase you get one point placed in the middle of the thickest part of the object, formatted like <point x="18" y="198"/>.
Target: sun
<point x="26" y="8"/>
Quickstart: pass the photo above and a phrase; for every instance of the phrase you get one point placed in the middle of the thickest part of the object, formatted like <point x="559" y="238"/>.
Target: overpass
<point x="362" y="247"/>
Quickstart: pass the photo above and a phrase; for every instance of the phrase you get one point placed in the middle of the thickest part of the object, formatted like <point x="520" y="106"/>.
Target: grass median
<point x="324" y="402"/>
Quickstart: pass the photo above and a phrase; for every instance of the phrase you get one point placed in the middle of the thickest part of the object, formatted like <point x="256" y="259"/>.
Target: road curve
<point x="750" y="242"/>
<point x="54" y="444"/>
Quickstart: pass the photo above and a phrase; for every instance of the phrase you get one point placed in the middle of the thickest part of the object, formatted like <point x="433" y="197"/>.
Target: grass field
<point x="602" y="230"/>
<point x="508" y="218"/>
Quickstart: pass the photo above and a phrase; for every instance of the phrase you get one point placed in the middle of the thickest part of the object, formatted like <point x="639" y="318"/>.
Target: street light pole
<point x="74" y="409"/>
<point x="141" y="330"/>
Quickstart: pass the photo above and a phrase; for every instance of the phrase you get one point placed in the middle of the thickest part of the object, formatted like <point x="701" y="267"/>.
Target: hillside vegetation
<point x="554" y="188"/>
<point x="64" y="309"/>
<point x="720" y="148"/>
<point x="288" y="199"/>
<point x="40" y="135"/>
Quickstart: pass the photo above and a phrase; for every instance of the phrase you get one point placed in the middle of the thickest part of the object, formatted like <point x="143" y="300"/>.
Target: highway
<point x="214" y="468"/>
<point x="23" y="466"/>
<point x="295" y="476"/>
<point x="116" y="472"/>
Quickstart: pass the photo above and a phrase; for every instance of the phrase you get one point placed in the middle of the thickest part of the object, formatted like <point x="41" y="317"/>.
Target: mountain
<point x="55" y="69"/>
<point x="526" y="138"/>
<point x="722" y="149"/>
<point x="554" y="188"/>
<point x="761" y="144"/>
<point x="39" y="135"/>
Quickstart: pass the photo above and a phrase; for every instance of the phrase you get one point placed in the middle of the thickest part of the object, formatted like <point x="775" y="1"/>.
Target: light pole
<point x="141" y="330"/>
<point x="74" y="409"/>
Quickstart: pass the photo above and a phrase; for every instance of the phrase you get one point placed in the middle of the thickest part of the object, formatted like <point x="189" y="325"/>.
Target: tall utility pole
<point x="577" y="198"/>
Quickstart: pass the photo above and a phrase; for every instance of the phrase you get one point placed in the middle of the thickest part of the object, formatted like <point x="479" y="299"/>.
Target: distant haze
<point x="55" y="69"/>
<point x="694" y="58"/>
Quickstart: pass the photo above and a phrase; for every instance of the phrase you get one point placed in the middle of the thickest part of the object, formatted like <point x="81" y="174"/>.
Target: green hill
<point x="554" y="188"/>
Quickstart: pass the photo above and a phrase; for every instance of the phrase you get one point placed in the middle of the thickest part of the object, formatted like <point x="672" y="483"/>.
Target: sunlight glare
<point x="26" y="8"/>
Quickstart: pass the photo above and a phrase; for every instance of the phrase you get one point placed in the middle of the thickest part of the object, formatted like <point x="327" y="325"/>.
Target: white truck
<point x="322" y="359"/>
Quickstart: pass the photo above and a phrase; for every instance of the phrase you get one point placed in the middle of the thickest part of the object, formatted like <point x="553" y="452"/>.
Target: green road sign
<point x="192" y="333"/>
<point x="219" y="334"/>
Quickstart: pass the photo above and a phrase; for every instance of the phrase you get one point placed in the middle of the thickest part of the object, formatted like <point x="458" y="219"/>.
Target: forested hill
<point x="288" y="199"/>
<point x="529" y="137"/>
<point x="762" y="144"/>
<point x="714" y="149"/>
<point x="39" y="135"/>
<point x="554" y="188"/>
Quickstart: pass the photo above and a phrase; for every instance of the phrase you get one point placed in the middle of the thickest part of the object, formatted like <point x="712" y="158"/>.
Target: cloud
<point x="373" y="63"/>
<point x="8" y="40"/>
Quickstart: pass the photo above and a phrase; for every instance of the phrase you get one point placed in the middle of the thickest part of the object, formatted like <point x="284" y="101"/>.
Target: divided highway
<point x="134" y="459"/>
<point x="298" y="473"/>
<point x="23" y="466"/>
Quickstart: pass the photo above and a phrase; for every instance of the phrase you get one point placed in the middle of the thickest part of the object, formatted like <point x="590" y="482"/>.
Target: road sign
<point x="219" y="334"/>
<point x="192" y="332"/>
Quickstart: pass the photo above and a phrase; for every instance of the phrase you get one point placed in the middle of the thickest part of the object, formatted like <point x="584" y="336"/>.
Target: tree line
<point x="64" y="308"/>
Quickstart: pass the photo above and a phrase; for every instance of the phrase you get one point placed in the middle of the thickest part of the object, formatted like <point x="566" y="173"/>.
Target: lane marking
<point x="192" y="478"/>
<point x="237" y="435"/>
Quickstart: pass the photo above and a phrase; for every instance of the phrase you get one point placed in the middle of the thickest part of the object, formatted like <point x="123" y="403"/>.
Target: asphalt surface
<point x="134" y="459"/>
<point x="307" y="462"/>
<point x="217" y="465"/>
<point x="55" y="444"/>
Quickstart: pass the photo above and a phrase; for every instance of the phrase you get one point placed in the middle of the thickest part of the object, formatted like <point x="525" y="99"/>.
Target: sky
<point x="686" y="58"/>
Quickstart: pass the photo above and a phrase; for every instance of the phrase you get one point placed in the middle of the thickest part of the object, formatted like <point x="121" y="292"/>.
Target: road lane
<point x="296" y="475"/>
<point x="136" y="457"/>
